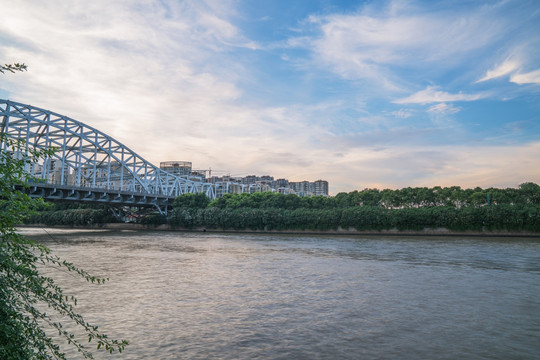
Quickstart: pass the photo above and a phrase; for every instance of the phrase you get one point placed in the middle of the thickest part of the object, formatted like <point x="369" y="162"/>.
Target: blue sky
<point x="383" y="94"/>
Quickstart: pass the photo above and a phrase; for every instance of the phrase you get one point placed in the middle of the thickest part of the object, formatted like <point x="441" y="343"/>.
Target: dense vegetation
<point x="71" y="214"/>
<point x="454" y="208"/>
<point x="371" y="209"/>
<point x="32" y="305"/>
<point x="455" y="196"/>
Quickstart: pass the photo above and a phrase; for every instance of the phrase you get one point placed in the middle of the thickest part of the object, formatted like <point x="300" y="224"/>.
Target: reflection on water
<point x="235" y="296"/>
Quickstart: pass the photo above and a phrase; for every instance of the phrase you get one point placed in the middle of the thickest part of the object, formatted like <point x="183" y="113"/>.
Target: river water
<point x="177" y="295"/>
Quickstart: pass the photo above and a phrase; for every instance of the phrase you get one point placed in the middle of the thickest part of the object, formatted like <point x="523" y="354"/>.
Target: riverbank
<point x="339" y="231"/>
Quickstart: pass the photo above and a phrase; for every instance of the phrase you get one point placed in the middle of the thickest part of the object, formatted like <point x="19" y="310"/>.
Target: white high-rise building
<point x="320" y="187"/>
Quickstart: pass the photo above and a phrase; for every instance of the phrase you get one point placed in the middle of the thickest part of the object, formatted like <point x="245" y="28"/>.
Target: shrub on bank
<point x="362" y="218"/>
<point x="72" y="217"/>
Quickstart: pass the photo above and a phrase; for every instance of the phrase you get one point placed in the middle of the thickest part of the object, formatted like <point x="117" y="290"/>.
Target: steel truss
<point x="87" y="158"/>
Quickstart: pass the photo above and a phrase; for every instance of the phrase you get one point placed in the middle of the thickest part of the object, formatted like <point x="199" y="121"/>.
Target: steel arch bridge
<point x="87" y="164"/>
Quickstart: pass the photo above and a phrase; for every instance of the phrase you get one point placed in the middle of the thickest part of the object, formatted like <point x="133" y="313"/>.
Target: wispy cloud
<point x="183" y="80"/>
<point x="512" y="69"/>
<point x="138" y="64"/>
<point x="402" y="113"/>
<point x="443" y="109"/>
<point x="378" y="44"/>
<point x="507" y="67"/>
<point x="532" y="77"/>
<point x="431" y="95"/>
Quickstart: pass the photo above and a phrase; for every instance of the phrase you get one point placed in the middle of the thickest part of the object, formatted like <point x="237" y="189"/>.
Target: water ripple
<point x="212" y="296"/>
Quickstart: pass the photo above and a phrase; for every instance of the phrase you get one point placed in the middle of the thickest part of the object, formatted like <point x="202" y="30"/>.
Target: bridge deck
<point x="56" y="192"/>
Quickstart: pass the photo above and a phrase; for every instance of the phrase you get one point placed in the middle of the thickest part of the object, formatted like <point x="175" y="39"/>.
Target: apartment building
<point x="228" y="184"/>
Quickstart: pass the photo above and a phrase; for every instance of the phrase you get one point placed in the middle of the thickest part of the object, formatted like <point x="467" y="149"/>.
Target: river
<point x="177" y="295"/>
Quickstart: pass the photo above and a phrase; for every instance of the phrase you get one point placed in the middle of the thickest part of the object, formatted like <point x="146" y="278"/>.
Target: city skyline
<point x="250" y="183"/>
<point x="362" y="94"/>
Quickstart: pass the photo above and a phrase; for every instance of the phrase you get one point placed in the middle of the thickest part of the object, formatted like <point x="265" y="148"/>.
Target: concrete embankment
<point x="339" y="231"/>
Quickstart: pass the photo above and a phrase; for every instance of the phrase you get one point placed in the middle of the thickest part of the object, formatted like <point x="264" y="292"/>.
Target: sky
<point x="363" y="94"/>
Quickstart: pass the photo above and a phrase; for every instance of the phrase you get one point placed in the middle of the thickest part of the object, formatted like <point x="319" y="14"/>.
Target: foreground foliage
<point x="13" y="68"/>
<point x="25" y="293"/>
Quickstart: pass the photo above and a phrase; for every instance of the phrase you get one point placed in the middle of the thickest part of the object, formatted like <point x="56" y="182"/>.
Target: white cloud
<point x="123" y="64"/>
<point x="532" y="77"/>
<point x="512" y="69"/>
<point x="402" y="113"/>
<point x="431" y="95"/>
<point x="507" y="67"/>
<point x="444" y="109"/>
<point x="379" y="45"/>
<point x="165" y="82"/>
<point x="165" y="86"/>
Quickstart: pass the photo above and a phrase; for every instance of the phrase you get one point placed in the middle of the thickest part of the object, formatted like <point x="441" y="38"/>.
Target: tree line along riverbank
<point x="408" y="209"/>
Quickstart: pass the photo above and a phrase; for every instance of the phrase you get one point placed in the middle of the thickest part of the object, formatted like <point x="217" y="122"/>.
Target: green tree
<point x="530" y="193"/>
<point x="195" y="201"/>
<point x="24" y="291"/>
<point x="369" y="197"/>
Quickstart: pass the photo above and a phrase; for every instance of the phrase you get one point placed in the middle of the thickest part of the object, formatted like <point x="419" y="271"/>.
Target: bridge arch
<point x="86" y="158"/>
